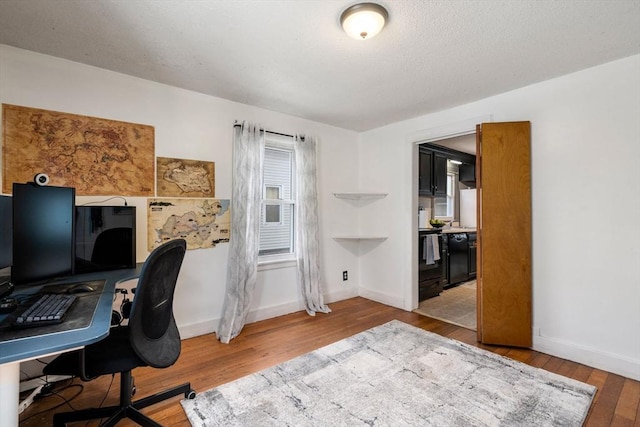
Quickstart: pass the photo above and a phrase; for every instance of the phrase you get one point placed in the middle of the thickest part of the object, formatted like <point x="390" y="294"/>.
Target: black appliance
<point x="444" y="256"/>
<point x="472" y="243"/>
<point x="429" y="272"/>
<point x="458" y="258"/>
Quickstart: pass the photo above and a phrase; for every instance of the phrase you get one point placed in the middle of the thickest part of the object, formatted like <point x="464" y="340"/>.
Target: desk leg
<point x="9" y="393"/>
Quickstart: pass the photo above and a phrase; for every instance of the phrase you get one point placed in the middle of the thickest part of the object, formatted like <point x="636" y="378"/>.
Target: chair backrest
<point x="154" y="334"/>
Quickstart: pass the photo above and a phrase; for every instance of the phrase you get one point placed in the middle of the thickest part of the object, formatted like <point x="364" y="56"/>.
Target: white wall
<point x="586" y="194"/>
<point x="586" y="209"/>
<point x="189" y="125"/>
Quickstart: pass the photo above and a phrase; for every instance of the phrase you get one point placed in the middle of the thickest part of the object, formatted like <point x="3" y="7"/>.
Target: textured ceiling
<point x="292" y="56"/>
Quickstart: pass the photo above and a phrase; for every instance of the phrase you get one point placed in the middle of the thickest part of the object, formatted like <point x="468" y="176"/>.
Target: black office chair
<point x="150" y="339"/>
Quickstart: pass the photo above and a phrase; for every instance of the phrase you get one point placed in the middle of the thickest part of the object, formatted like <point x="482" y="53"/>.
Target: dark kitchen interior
<point x="446" y="231"/>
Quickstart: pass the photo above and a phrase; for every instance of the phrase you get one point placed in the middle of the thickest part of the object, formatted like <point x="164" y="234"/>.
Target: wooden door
<point x="504" y="277"/>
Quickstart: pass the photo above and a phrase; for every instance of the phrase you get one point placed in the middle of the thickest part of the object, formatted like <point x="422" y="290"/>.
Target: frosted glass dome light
<point x="364" y="20"/>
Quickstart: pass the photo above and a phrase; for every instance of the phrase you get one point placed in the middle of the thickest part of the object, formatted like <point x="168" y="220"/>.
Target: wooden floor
<point x="206" y="363"/>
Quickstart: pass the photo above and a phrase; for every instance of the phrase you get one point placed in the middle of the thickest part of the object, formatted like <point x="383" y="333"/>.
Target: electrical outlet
<point x="345" y="275"/>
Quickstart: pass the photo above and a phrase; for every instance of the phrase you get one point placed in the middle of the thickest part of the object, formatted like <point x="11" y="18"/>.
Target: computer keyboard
<point x="49" y="309"/>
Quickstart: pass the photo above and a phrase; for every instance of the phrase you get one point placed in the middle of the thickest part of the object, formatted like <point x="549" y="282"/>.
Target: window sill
<point x="274" y="264"/>
<point x="360" y="237"/>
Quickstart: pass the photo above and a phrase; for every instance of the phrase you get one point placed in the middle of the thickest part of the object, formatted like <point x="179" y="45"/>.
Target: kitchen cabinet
<point x="424" y="177"/>
<point x="432" y="180"/>
<point x="467" y="174"/>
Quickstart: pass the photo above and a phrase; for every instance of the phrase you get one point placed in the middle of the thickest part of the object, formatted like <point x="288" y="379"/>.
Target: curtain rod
<point x="236" y="124"/>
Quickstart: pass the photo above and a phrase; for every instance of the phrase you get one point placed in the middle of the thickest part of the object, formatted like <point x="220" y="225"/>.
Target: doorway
<point x="456" y="305"/>
<point x="457" y="302"/>
<point x="504" y="266"/>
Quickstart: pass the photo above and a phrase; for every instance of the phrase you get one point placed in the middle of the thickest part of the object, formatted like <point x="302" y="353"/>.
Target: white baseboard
<point x="340" y="295"/>
<point x="294" y="306"/>
<point x="588" y="356"/>
<point x="211" y="325"/>
<point x="196" y="329"/>
<point x="263" y="313"/>
<point x="383" y="298"/>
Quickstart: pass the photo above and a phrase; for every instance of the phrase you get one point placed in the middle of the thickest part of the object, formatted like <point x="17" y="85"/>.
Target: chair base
<point x="127" y="408"/>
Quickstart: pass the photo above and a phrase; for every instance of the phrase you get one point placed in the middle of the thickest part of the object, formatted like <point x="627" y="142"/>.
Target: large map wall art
<point x="185" y="178"/>
<point x="96" y="156"/>
<point x="203" y="223"/>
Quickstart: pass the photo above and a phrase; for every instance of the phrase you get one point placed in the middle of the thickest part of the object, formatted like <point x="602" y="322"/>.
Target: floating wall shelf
<point x="360" y="196"/>
<point x="353" y="237"/>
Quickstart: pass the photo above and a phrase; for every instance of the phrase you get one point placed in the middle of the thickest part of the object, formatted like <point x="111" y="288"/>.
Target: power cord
<point x="105" y="397"/>
<point x="106" y="200"/>
<point x="45" y="391"/>
<point x="65" y="400"/>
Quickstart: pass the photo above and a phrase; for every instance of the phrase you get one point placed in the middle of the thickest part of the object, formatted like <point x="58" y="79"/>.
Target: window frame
<point x="270" y="261"/>
<point x="450" y="198"/>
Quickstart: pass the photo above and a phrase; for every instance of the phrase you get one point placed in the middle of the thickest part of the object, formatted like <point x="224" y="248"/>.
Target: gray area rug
<point x="393" y="375"/>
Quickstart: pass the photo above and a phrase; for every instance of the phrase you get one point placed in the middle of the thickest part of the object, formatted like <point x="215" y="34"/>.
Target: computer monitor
<point x="6" y="233"/>
<point x="105" y="238"/>
<point x="42" y="233"/>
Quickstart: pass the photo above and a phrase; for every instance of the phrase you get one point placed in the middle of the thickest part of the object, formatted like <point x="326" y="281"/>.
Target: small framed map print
<point x="185" y="178"/>
<point x="203" y="223"/>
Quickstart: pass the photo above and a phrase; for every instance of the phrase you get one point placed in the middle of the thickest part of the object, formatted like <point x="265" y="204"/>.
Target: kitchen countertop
<point x="459" y="230"/>
<point x="429" y="230"/>
<point x="448" y="230"/>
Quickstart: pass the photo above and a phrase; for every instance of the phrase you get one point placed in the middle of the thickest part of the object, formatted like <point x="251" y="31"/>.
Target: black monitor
<point x="105" y="238"/>
<point x="42" y="233"/>
<point x="6" y="233"/>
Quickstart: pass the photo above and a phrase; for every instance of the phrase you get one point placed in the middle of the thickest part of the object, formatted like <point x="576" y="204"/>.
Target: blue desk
<point x="14" y="351"/>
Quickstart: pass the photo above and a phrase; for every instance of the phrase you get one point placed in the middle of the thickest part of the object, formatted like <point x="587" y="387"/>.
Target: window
<point x="451" y="188"/>
<point x="444" y="206"/>
<point x="277" y="217"/>
<point x="272" y="212"/>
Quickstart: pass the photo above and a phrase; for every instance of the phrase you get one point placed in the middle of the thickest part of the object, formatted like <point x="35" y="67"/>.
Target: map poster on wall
<point x="96" y="156"/>
<point x="185" y="178"/>
<point x="203" y="223"/>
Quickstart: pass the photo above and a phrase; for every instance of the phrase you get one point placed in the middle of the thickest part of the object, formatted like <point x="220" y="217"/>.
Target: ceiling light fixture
<point x="364" y="20"/>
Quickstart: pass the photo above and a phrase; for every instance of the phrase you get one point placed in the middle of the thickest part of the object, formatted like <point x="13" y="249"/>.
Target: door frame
<point x="430" y="135"/>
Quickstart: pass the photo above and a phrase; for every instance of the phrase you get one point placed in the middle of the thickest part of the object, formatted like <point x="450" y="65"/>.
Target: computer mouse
<point x="80" y="289"/>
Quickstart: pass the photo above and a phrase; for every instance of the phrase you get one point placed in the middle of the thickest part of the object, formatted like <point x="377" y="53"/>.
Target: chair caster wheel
<point x="191" y="394"/>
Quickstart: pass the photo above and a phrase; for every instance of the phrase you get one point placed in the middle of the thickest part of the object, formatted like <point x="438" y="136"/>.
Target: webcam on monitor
<point x="41" y="179"/>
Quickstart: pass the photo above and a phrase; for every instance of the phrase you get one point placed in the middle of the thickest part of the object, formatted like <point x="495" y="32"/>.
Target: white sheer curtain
<point x="242" y="264"/>
<point x="307" y="240"/>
